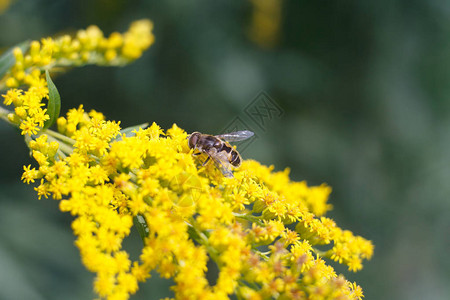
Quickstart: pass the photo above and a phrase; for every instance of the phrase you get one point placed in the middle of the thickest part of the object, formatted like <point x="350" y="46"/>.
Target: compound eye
<point x="235" y="159"/>
<point x="233" y="155"/>
<point x="193" y="138"/>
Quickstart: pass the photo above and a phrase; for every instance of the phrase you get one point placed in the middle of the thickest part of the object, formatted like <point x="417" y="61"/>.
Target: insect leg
<point x="206" y="161"/>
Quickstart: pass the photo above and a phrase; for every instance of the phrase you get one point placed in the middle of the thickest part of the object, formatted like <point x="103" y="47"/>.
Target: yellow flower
<point x="29" y="175"/>
<point x="137" y="39"/>
<point x="40" y="116"/>
<point x="104" y="284"/>
<point x="12" y="96"/>
<point x="29" y="126"/>
<point x="98" y="175"/>
<point x="357" y="292"/>
<point x="42" y="190"/>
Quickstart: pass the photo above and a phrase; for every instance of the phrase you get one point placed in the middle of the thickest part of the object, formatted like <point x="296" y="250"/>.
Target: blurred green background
<point x="362" y="94"/>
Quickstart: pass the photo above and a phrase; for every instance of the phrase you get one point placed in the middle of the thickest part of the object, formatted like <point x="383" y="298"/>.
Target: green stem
<point x="4" y="114"/>
<point x="253" y="285"/>
<point x="203" y="240"/>
<point x="250" y="218"/>
<point x="60" y="136"/>
<point x="64" y="148"/>
<point x="28" y="139"/>
<point x="61" y="154"/>
<point x="263" y="255"/>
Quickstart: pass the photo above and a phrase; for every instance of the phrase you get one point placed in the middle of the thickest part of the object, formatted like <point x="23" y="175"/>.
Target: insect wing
<point x="236" y="136"/>
<point x="222" y="163"/>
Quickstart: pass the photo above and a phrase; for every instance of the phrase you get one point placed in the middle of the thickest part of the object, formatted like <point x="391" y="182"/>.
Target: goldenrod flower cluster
<point x="268" y="235"/>
<point x="87" y="47"/>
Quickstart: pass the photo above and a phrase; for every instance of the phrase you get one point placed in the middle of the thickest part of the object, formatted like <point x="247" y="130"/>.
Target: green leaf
<point x="54" y="102"/>
<point x="141" y="225"/>
<point x="193" y="234"/>
<point x="7" y="60"/>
